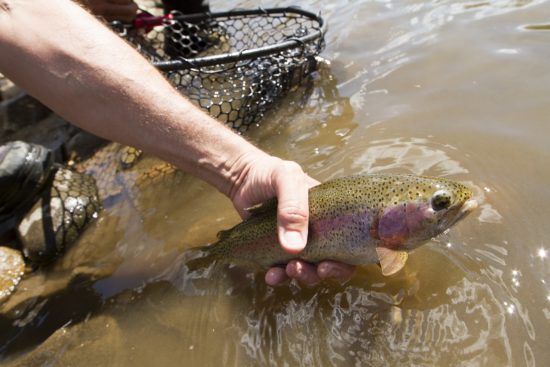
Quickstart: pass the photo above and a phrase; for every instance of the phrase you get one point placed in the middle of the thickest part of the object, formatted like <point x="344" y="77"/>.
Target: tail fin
<point x="199" y="258"/>
<point x="207" y="257"/>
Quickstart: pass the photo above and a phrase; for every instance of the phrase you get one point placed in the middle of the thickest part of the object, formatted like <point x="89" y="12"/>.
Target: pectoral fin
<point x="391" y="261"/>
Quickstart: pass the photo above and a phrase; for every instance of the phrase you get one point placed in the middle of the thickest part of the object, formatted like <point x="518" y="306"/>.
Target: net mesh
<point x="235" y="65"/>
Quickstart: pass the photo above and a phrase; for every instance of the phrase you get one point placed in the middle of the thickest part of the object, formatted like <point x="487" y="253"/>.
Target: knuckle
<point x="288" y="168"/>
<point x="293" y="167"/>
<point x="5" y="6"/>
<point x="293" y="212"/>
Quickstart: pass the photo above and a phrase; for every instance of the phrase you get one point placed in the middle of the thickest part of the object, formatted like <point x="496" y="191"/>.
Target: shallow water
<point x="454" y="89"/>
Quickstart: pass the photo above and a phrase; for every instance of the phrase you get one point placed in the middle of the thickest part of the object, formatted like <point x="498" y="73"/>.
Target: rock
<point x="12" y="268"/>
<point x="79" y="345"/>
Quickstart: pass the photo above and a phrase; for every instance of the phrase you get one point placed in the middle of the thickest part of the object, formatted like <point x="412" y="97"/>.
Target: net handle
<point x="148" y="21"/>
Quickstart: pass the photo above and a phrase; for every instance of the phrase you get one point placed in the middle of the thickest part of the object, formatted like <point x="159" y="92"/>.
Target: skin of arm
<point x="60" y="54"/>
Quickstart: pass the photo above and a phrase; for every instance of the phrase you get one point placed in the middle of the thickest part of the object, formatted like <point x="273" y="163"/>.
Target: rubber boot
<point x="24" y="171"/>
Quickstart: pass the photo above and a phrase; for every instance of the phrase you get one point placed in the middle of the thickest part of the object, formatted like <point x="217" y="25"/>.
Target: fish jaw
<point x="466" y="208"/>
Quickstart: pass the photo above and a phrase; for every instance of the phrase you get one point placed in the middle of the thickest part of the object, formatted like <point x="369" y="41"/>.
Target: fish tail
<point x="199" y="258"/>
<point x="207" y="257"/>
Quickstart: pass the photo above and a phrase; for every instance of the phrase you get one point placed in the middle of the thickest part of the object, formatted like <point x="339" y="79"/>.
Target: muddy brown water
<point x="448" y="88"/>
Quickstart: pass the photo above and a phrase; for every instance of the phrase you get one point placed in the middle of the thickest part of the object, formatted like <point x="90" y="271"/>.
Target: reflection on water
<point x="412" y="154"/>
<point x="366" y="327"/>
<point x="446" y="88"/>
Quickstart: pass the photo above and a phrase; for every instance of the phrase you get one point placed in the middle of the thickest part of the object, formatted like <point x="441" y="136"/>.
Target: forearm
<point x="64" y="57"/>
<point x="76" y="66"/>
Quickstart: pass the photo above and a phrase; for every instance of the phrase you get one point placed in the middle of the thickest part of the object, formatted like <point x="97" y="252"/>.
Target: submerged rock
<point x="12" y="268"/>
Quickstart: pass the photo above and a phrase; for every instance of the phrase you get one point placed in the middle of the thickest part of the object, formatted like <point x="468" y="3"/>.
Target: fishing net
<point x="233" y="64"/>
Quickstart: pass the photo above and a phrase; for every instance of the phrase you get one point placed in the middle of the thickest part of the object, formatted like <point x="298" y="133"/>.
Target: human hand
<point x="123" y="10"/>
<point x="263" y="177"/>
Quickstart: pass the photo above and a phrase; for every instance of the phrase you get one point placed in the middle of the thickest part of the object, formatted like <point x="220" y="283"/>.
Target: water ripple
<point x="416" y="155"/>
<point x="361" y="327"/>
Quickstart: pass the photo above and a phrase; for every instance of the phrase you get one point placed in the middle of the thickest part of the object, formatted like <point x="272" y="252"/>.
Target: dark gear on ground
<point x="24" y="171"/>
<point x="185" y="7"/>
<point x="46" y="205"/>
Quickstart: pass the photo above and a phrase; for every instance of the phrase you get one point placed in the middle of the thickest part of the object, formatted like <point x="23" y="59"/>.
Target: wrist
<point x="242" y="169"/>
<point x="238" y="171"/>
<point x="205" y="148"/>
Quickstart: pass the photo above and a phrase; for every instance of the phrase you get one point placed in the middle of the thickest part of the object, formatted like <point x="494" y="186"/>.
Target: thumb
<point x="292" y="223"/>
<point x="292" y="209"/>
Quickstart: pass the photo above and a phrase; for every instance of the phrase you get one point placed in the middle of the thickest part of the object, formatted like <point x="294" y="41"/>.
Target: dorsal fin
<point x="264" y="207"/>
<point x="222" y="235"/>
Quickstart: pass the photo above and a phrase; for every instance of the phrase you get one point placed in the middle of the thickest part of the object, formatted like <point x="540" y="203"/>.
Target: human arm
<point x="60" y="54"/>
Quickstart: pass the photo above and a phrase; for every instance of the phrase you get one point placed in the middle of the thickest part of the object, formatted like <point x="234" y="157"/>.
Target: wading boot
<point x="24" y="171"/>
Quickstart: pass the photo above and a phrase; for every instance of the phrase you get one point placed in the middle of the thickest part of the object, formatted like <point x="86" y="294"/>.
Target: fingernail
<point x="293" y="241"/>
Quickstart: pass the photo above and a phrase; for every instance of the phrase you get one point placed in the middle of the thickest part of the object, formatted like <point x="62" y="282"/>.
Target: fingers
<point x="270" y="177"/>
<point x="303" y="272"/>
<point x="292" y="210"/>
<point x="310" y="275"/>
<point x="275" y="276"/>
<point x="335" y="270"/>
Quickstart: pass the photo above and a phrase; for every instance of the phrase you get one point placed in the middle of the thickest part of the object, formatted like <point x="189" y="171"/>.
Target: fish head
<point x="421" y="208"/>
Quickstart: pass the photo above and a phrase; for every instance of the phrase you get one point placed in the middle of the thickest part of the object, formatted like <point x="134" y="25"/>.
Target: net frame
<point x="235" y="64"/>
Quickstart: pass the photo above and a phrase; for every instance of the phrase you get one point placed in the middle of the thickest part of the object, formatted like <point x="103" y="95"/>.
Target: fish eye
<point x="441" y="199"/>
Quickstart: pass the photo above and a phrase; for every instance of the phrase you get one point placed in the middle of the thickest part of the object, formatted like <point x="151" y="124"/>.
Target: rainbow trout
<point x="357" y="220"/>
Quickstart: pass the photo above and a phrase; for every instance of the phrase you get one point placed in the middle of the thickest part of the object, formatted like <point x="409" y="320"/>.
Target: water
<point x="457" y="89"/>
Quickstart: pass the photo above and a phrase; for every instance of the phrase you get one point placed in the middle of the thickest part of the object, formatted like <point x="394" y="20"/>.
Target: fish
<point x="358" y="220"/>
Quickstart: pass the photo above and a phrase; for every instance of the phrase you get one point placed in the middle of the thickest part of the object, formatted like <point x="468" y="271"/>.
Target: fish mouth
<point x="465" y="209"/>
<point x="468" y="206"/>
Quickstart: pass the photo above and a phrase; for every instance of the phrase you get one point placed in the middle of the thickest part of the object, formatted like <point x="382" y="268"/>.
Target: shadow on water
<point x="30" y="324"/>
